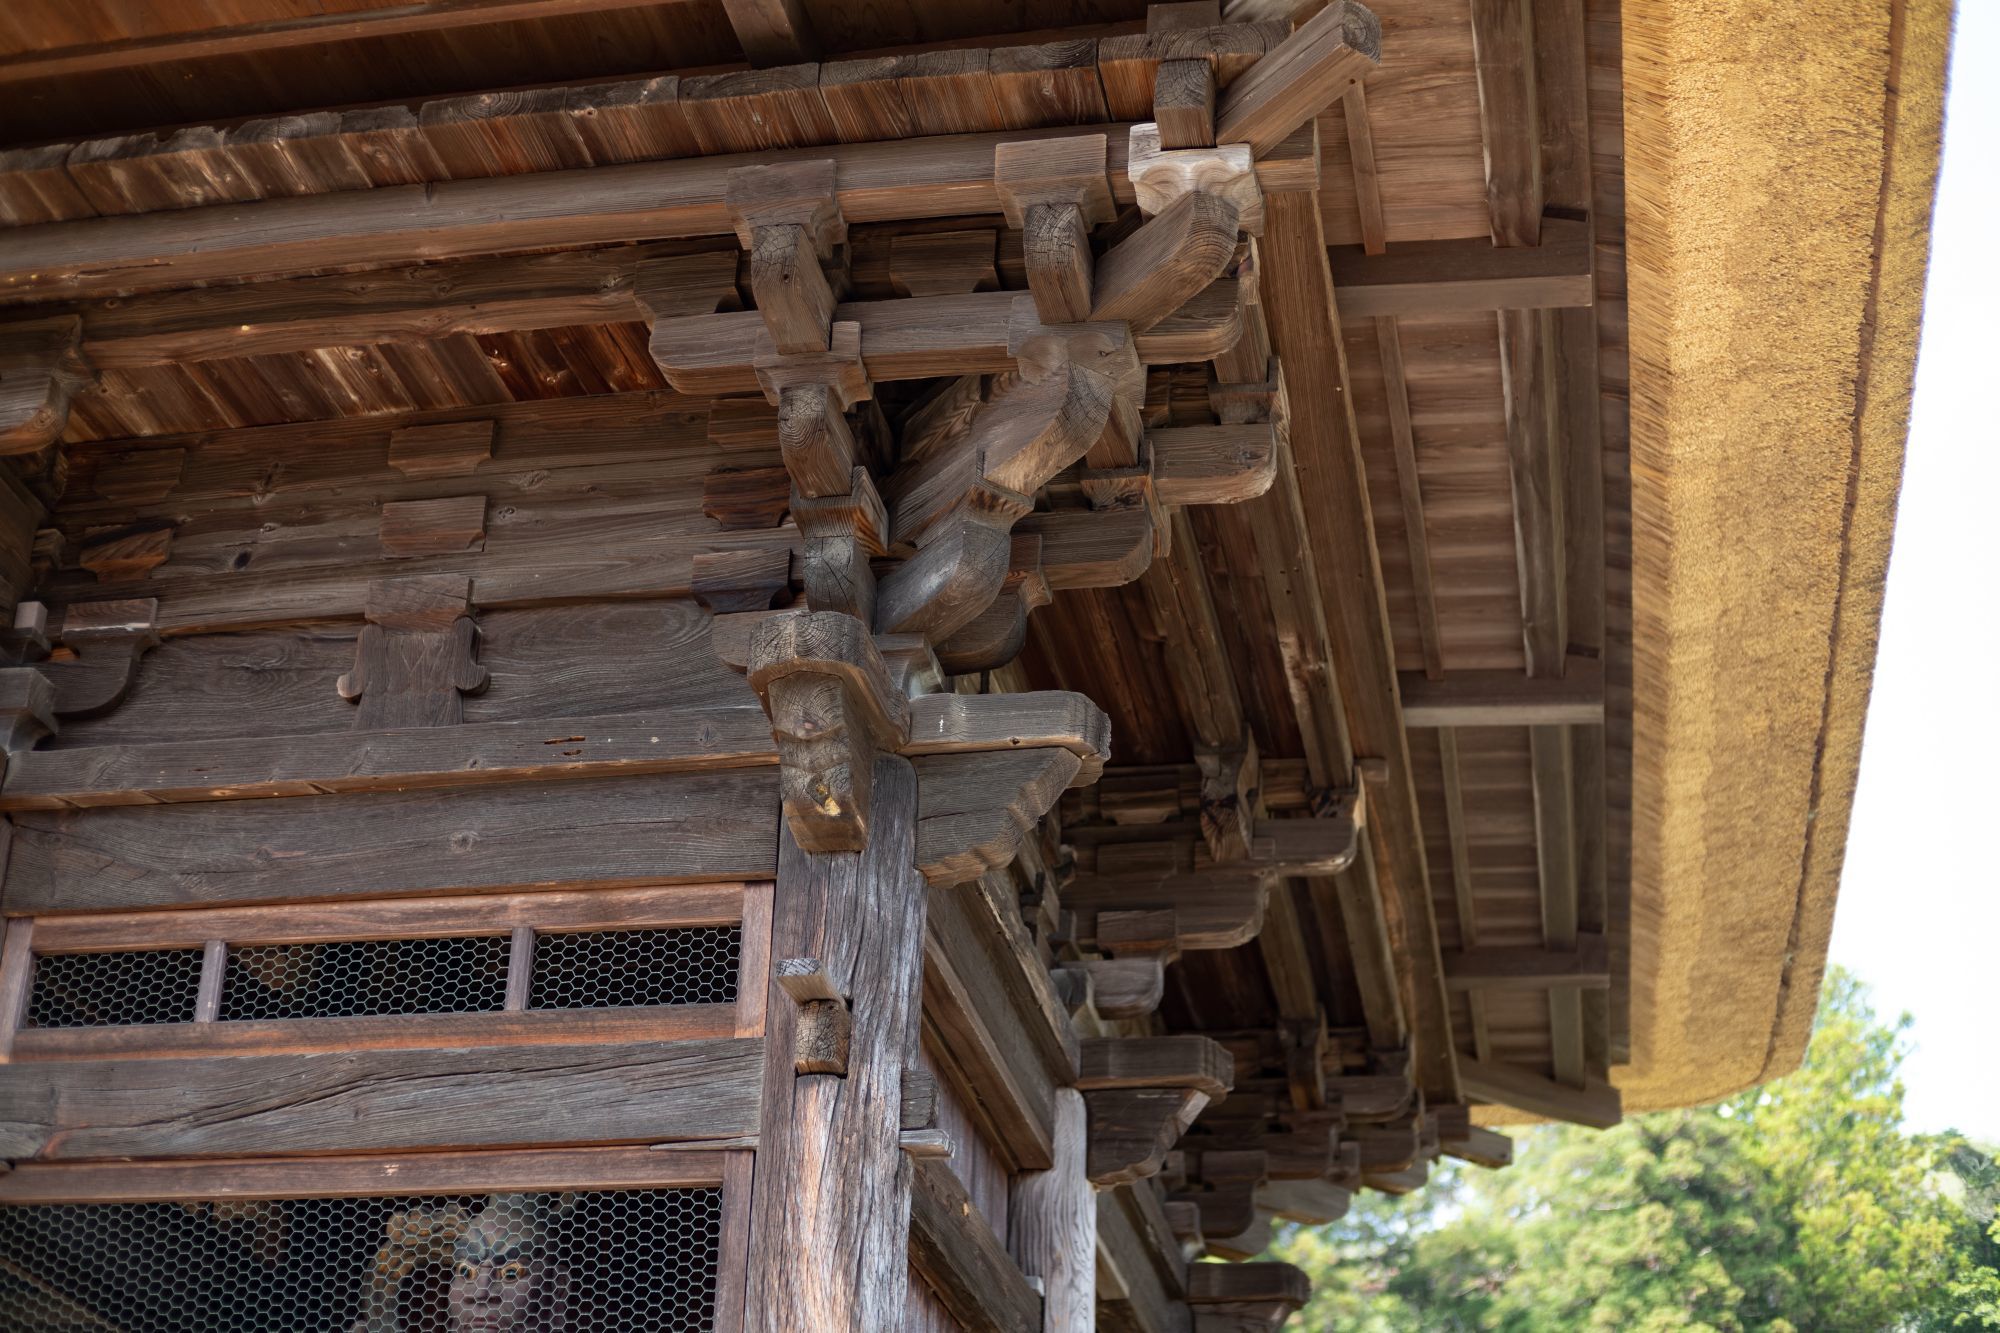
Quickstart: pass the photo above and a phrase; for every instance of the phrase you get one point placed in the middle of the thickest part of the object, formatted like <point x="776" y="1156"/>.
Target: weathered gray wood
<point x="829" y="1237"/>
<point x="976" y="808"/>
<point x="380" y="1100"/>
<point x="1134" y="1273"/>
<point x="955" y="1250"/>
<point x="1186" y="1060"/>
<point x="1052" y="1224"/>
<point x="1506" y="698"/>
<point x="599" y="831"/>
<point x="1461" y="277"/>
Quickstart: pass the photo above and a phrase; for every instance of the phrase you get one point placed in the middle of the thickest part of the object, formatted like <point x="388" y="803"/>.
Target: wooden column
<point x="829" y="1239"/>
<point x="1053" y="1224"/>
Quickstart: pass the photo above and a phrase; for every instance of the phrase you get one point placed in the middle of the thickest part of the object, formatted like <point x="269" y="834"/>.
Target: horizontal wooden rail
<point x="1596" y="1104"/>
<point x="1586" y="965"/>
<point x="957" y="1253"/>
<point x="1462" y="277"/>
<point x="1505" y="698"/>
<point x="944" y="176"/>
<point x="358" y="1177"/>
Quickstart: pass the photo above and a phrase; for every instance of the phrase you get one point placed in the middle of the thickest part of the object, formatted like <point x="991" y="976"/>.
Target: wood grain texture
<point x="324" y="847"/>
<point x="830" y="1231"/>
<point x="380" y="1101"/>
<point x="960" y="1258"/>
<point x="1456" y="277"/>
<point x="1301" y="77"/>
<point x="1052" y="1224"/>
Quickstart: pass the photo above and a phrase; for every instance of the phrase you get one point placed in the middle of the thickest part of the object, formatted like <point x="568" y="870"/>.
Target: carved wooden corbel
<point x="788" y="217"/>
<point x="1163" y="176"/>
<point x="41" y="368"/>
<point x="107" y="639"/>
<point x="832" y="706"/>
<point x="416" y="656"/>
<point x="27" y="708"/>
<point x="841" y="532"/>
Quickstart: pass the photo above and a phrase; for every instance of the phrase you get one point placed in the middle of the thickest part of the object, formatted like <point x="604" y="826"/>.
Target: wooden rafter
<point x="1506" y="698"/>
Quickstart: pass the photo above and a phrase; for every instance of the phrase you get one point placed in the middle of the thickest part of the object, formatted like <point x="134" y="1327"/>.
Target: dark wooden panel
<point x="380" y="1100"/>
<point x="546" y="835"/>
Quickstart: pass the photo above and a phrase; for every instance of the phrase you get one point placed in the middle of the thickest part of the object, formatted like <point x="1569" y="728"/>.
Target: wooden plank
<point x="732" y="1259"/>
<point x="981" y="1032"/>
<point x="314" y="29"/>
<point x="1052" y="1224"/>
<point x="1301" y="77"/>
<point x="1340" y="527"/>
<point x="1464" y="898"/>
<point x="398" y="918"/>
<point x="1185" y="1060"/>
<point x="1481" y="1147"/>
<point x="358" y="1177"/>
<point x="1595" y="1104"/>
<point x="1409" y="487"/>
<point x="395" y="1032"/>
<point x="954" y="1249"/>
<point x="331" y="847"/>
<point x="380" y="1101"/>
<point x="1529" y="969"/>
<point x="17" y="981"/>
<point x="1459" y="277"/>
<point x="1503" y="46"/>
<point x="829" y="1234"/>
<point x="1506" y="698"/>
<point x="1133" y="1272"/>
<point x="938" y="177"/>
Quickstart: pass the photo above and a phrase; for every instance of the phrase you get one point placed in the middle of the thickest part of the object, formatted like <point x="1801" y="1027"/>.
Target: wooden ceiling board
<point x="1423" y="115"/>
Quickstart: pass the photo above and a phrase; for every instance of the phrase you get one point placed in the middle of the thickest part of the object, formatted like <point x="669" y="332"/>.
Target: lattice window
<point x="615" y="968"/>
<point x="360" y="978"/>
<point x="617" y="1261"/>
<point x="85" y="990"/>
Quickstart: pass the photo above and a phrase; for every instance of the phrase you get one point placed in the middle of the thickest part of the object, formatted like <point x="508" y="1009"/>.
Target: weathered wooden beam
<point x="830" y="1230"/>
<point x="1595" y="1104"/>
<point x="1052" y="1223"/>
<point x="251" y="39"/>
<point x="1459" y="277"/>
<point x="1506" y="698"/>
<point x="1491" y="968"/>
<point x="954" y="1249"/>
<point x="686" y="827"/>
<point x="363" y="1101"/>
<point x="1340" y="532"/>
<point x="1214" y="909"/>
<point x="1481" y="1147"/>
<point x="1139" y="1272"/>
<point x="976" y="808"/>
<point x="1133" y="1129"/>
<point x="773" y="32"/>
<point x="1236" y="1298"/>
<point x="1188" y="1060"/>
<point x="682" y="197"/>
<point x="980" y="1036"/>
<point x="1301" y="77"/>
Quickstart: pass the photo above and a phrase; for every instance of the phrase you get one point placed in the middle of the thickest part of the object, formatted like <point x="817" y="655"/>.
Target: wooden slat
<point x="358" y="1177"/>
<point x="316" y="29"/>
<point x="1529" y="969"/>
<point x="1506" y="698"/>
<point x="332" y="847"/>
<point x="397" y="918"/>
<point x="1458" y="277"/>
<point x="1305" y="331"/>
<point x="955" y="1250"/>
<point x="375" y="1101"/>
<point x="917" y="178"/>
<point x="396" y="1032"/>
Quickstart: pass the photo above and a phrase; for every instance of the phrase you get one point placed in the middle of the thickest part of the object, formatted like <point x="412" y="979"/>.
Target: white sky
<point x="1919" y="913"/>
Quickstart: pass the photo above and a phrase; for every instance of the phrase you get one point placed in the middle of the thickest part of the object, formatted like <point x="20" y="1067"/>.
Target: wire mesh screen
<point x="358" y="978"/>
<point x="627" y="1261"/>
<point x="87" y="990"/>
<point x="614" y="968"/>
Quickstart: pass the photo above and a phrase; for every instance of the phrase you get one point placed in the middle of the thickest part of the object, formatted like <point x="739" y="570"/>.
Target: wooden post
<point x="829" y="1239"/>
<point x="1053" y="1221"/>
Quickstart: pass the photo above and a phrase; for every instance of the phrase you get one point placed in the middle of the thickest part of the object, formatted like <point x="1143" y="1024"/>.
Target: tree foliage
<point x="1799" y="1207"/>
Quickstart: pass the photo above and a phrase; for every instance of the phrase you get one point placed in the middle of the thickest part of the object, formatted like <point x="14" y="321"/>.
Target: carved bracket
<point x="106" y="639"/>
<point x="416" y="656"/>
<point x="41" y="367"/>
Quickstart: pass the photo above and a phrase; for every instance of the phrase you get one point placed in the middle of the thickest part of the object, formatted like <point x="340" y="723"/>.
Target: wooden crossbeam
<point x="1506" y="698"/>
<point x="773" y="32"/>
<point x="955" y="1251"/>
<point x="1458" y="277"/>
<point x="683" y="197"/>
<point x="1596" y="1103"/>
<point x="1490" y="968"/>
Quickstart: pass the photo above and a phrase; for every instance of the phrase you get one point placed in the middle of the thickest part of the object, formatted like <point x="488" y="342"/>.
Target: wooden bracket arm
<point x="1039" y="719"/>
<point x="27" y="708"/>
<point x="974" y="809"/>
<point x="1055" y="193"/>
<point x="1182" y="1061"/>
<point x="1174" y="255"/>
<point x="1301" y="78"/>
<point x="108" y="639"/>
<point x="1161" y="176"/>
<point x="1133" y="1129"/>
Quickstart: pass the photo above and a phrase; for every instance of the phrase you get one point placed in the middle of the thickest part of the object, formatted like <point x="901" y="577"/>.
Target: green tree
<point x="1799" y="1207"/>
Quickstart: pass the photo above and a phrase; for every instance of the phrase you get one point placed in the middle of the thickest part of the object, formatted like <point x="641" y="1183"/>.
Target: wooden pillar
<point x="829" y="1238"/>
<point x="1053" y="1220"/>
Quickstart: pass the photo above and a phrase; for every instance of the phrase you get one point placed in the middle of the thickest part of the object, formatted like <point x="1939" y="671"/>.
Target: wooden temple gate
<point x="633" y="795"/>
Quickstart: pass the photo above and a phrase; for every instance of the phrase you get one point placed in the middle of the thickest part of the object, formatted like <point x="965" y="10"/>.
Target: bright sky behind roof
<point x="1919" y="911"/>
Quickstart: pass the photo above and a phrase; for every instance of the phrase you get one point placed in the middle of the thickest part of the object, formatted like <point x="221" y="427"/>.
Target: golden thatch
<point x="1781" y="162"/>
